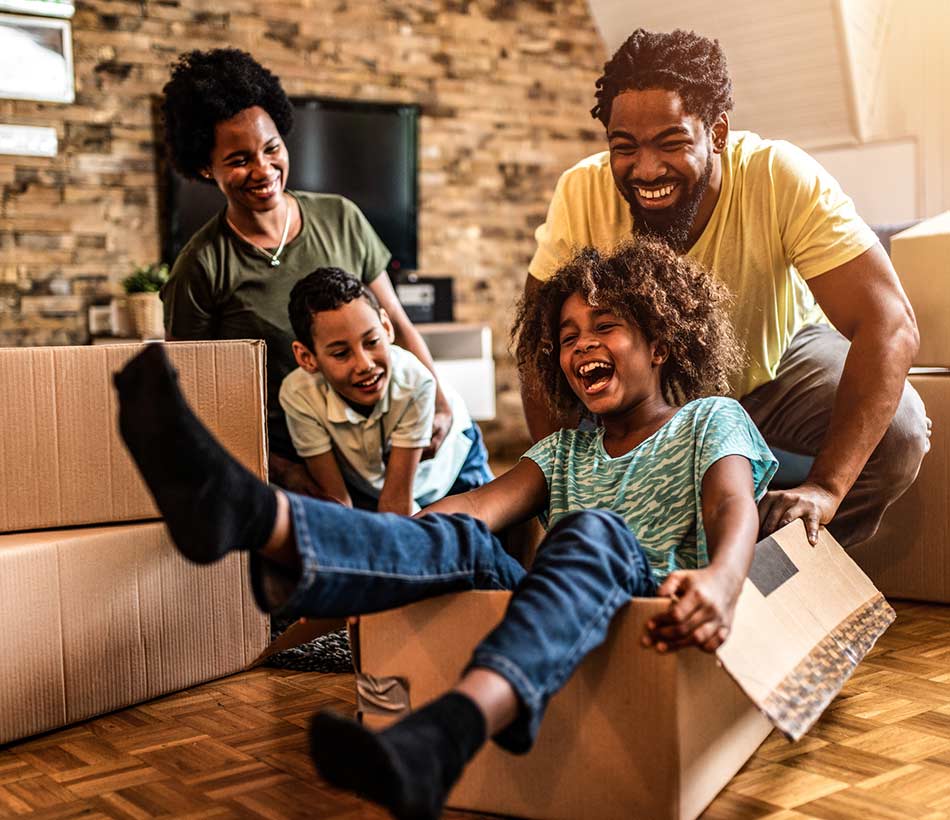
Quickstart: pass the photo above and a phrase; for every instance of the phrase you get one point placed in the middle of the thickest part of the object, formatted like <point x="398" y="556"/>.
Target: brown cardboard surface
<point x="98" y="619"/>
<point x="62" y="462"/>
<point x="909" y="557"/>
<point x="921" y="257"/>
<point x="635" y="733"/>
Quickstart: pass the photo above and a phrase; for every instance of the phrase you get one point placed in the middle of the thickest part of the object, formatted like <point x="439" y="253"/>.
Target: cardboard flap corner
<point x="806" y="618"/>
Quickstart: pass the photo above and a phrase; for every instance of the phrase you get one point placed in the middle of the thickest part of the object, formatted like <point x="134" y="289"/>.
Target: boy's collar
<point x="339" y="412"/>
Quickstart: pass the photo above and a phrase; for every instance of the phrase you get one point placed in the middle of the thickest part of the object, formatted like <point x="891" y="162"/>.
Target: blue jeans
<point x="587" y="567"/>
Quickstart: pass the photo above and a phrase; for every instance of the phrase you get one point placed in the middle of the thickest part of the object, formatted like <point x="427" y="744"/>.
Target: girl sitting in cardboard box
<point x="656" y="499"/>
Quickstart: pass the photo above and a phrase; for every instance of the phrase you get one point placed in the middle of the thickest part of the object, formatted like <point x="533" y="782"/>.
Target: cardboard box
<point x="98" y="619"/>
<point x="909" y="557"/>
<point x="635" y="733"/>
<point x="62" y="462"/>
<point x="921" y="257"/>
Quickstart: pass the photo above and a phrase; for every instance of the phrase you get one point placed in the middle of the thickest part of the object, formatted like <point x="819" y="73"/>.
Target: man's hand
<point x="812" y="503"/>
<point x="704" y="602"/>
<point x="441" y="424"/>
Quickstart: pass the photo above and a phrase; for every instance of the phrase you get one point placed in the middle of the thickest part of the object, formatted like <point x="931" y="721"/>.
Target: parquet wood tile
<point x="237" y="748"/>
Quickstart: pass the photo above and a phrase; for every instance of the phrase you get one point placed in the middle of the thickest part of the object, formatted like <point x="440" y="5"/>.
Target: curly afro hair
<point x="682" y="61"/>
<point x="672" y="299"/>
<point x="208" y="87"/>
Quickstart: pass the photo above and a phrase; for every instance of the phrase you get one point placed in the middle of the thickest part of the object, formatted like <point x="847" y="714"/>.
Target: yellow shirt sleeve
<point x="818" y="222"/>
<point x="586" y="210"/>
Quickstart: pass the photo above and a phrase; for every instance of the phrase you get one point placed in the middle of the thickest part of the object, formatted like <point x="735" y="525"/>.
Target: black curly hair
<point x="682" y="61"/>
<point x="672" y="299"/>
<point x="208" y="87"/>
<point x="324" y="289"/>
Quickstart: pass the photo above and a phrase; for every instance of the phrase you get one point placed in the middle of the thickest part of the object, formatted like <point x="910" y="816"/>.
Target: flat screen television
<point x="365" y="151"/>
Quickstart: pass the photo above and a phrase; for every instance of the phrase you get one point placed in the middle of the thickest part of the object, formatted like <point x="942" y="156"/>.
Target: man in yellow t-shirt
<point x="777" y="229"/>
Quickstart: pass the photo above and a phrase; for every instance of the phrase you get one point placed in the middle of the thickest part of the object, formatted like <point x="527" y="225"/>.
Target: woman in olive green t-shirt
<point x="225" y="120"/>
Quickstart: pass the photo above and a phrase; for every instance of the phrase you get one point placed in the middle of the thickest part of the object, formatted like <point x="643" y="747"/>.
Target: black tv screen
<point x="367" y="152"/>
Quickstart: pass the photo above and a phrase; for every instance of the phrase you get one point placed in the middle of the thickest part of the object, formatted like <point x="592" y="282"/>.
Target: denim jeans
<point x="355" y="562"/>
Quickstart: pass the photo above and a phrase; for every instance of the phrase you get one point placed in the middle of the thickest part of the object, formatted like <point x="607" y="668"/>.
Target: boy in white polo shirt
<point x="359" y="408"/>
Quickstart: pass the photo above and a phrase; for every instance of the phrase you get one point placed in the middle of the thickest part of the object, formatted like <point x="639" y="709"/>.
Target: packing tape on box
<point x="381" y="696"/>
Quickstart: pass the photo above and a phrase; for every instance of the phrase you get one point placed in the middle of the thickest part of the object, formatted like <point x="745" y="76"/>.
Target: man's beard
<point x="672" y="224"/>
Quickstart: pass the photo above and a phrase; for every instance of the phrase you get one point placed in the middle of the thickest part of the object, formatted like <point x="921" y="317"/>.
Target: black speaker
<point x="426" y="298"/>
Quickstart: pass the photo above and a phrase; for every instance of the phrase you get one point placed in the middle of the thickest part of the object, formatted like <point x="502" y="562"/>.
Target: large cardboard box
<point x="921" y="257"/>
<point x="909" y="557"/>
<point x="635" y="733"/>
<point x="98" y="619"/>
<point x="62" y="462"/>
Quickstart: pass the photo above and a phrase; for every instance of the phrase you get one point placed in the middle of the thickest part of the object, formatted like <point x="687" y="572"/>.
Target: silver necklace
<point x="273" y="257"/>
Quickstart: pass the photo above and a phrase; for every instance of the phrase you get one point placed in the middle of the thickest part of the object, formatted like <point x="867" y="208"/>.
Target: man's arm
<point x="704" y="600"/>
<point x="541" y="421"/>
<point x="396" y="496"/>
<point x="864" y="300"/>
<point x="408" y="337"/>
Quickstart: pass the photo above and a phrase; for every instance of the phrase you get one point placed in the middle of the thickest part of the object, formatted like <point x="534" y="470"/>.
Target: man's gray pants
<point x="793" y="412"/>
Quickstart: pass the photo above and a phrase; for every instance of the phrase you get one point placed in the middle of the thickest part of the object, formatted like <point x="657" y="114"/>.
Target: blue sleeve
<point x="727" y="430"/>
<point x="544" y="454"/>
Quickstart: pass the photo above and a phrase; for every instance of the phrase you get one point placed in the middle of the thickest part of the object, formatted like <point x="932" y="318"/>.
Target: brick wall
<point x="504" y="86"/>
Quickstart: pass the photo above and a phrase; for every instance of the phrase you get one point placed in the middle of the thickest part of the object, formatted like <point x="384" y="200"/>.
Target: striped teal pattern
<point x="657" y="486"/>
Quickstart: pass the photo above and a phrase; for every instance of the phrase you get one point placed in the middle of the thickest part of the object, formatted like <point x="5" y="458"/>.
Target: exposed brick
<point x="504" y="87"/>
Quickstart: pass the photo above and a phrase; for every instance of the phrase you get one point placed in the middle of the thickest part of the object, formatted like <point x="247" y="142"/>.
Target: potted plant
<point x="145" y="306"/>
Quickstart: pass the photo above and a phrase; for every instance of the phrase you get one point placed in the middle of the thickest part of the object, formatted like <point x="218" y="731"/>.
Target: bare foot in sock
<point x="408" y="768"/>
<point x="210" y="503"/>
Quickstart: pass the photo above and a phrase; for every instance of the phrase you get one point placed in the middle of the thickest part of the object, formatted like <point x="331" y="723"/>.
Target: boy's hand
<point x="441" y="424"/>
<point x="704" y="601"/>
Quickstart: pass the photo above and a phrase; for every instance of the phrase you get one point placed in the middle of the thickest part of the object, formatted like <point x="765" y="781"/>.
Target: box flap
<point x="805" y="619"/>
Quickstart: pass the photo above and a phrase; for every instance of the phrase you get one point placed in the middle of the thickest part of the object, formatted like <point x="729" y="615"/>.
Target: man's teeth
<point x="370" y="381"/>
<point x="658" y="193"/>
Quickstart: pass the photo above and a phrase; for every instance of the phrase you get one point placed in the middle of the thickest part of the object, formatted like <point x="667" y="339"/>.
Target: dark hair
<point x="208" y="87"/>
<point x="673" y="299"/>
<point x="682" y="61"/>
<point x="324" y="289"/>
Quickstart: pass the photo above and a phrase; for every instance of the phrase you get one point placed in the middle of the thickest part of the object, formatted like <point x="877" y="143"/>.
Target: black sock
<point x="410" y="767"/>
<point x="210" y="502"/>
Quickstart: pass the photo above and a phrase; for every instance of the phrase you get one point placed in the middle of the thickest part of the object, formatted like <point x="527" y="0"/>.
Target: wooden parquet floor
<point x="237" y="748"/>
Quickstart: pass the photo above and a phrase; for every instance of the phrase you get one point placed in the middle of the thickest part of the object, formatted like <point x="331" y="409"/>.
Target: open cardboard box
<point x="635" y="733"/>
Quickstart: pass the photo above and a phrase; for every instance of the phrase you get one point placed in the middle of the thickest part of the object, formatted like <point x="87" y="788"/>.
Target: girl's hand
<point x="701" y="612"/>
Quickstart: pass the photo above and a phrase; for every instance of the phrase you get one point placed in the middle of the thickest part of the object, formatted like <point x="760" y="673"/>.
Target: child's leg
<point x="474" y="471"/>
<point x="311" y="557"/>
<point x="587" y="568"/>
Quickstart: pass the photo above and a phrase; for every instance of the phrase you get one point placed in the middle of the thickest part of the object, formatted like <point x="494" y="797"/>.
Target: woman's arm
<point x="515" y="496"/>
<point x="704" y="600"/>
<point x="408" y="337"/>
<point x="401" y="469"/>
